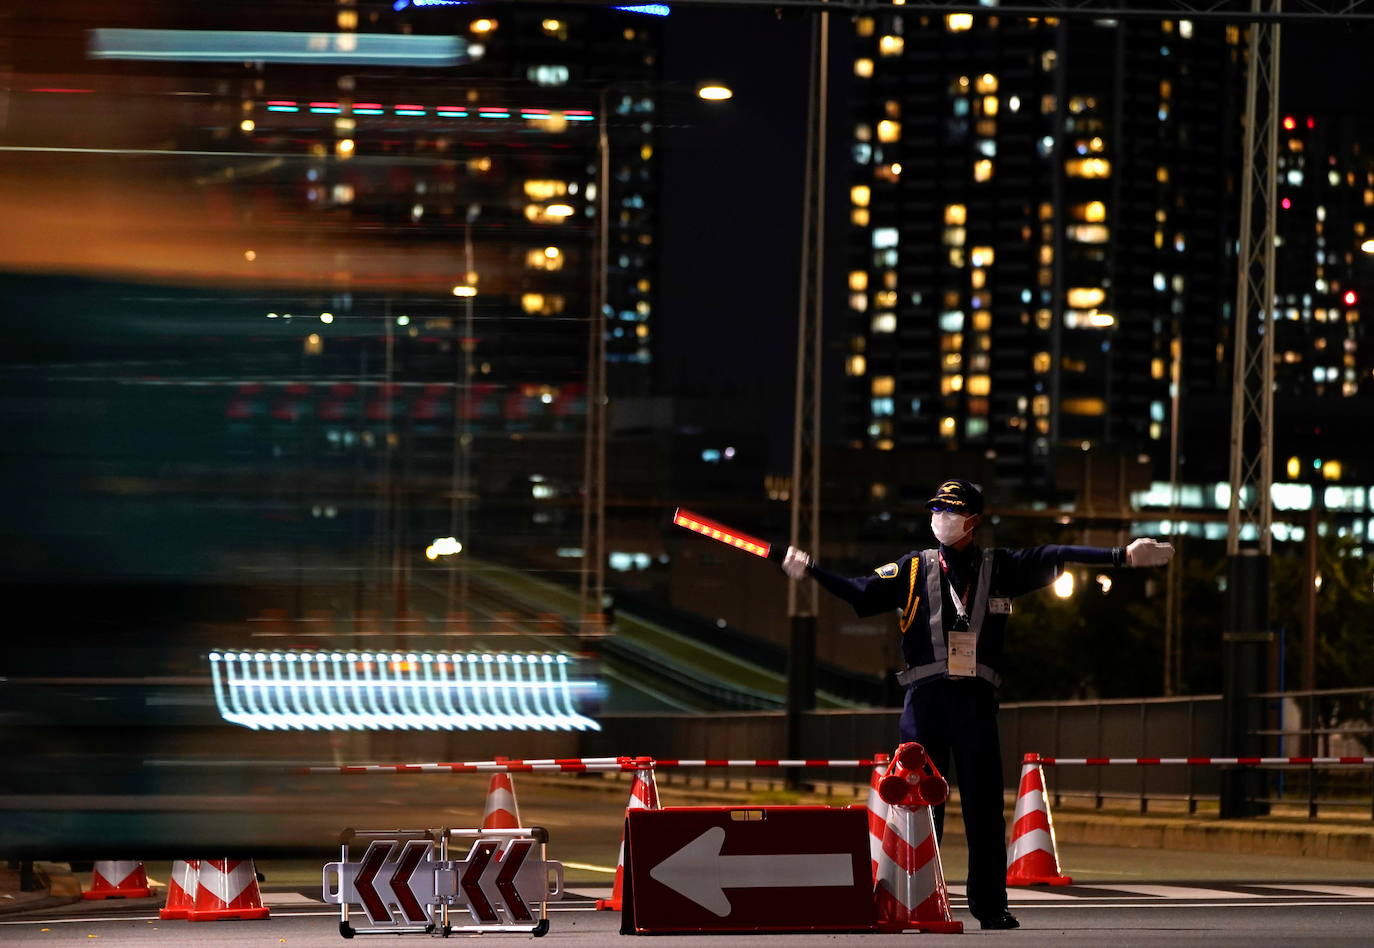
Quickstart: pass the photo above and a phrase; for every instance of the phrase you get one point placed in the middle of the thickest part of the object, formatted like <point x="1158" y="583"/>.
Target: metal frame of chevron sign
<point x="406" y="882"/>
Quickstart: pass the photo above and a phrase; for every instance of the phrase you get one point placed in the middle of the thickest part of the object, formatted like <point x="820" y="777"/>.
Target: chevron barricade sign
<point x="407" y="881"/>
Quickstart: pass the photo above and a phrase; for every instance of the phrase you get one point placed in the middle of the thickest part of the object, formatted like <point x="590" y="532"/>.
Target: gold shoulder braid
<point x="912" y="600"/>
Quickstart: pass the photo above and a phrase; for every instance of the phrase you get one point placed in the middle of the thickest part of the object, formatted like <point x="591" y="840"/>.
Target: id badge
<point x="963" y="657"/>
<point x="999" y="606"/>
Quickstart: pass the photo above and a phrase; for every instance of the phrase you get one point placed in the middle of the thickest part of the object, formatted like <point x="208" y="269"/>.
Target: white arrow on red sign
<point x="378" y="870"/>
<point x="699" y="872"/>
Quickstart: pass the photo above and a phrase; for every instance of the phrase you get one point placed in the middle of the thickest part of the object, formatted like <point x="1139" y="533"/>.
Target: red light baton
<point x="707" y="527"/>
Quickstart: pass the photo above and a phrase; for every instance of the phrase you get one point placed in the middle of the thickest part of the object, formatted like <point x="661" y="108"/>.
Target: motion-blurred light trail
<point x="397" y="691"/>
<point x="371" y="49"/>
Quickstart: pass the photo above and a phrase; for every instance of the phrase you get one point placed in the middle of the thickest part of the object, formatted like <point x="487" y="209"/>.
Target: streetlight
<point x="1367" y="246"/>
<point x="715" y="91"/>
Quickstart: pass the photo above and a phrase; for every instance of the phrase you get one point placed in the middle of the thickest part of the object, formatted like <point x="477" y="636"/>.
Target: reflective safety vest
<point x="977" y="610"/>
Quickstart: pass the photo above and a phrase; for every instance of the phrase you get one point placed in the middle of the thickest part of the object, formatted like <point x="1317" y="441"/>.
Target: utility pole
<point x="593" y="584"/>
<point x="803" y="597"/>
<point x="1245" y="645"/>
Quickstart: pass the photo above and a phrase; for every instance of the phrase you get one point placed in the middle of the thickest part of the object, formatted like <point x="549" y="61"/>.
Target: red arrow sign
<point x="511" y="862"/>
<point x="414" y="851"/>
<point x="478" y="860"/>
<point x="376" y="855"/>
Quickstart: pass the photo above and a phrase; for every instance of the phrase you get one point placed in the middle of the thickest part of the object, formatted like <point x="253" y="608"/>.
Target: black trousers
<point x="955" y="719"/>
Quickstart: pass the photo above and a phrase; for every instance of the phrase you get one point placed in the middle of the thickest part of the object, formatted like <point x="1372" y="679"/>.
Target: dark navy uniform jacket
<point x="903" y="585"/>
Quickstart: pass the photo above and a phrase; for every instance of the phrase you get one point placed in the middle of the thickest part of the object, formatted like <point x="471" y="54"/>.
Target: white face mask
<point x="949" y="527"/>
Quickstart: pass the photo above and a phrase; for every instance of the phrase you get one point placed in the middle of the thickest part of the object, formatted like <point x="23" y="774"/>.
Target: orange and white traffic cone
<point x="878" y="810"/>
<point x="502" y="811"/>
<point x="227" y="888"/>
<point x="118" y="879"/>
<point x="643" y="796"/>
<point x="1033" y="858"/>
<point x="909" y="890"/>
<point x="181" y="889"/>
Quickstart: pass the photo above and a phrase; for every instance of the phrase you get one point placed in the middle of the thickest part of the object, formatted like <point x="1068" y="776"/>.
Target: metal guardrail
<point x="1144" y="727"/>
<point x="1323" y="722"/>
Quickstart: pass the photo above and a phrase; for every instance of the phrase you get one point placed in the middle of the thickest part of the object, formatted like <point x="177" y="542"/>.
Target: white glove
<point x="796" y="563"/>
<point x="1147" y="552"/>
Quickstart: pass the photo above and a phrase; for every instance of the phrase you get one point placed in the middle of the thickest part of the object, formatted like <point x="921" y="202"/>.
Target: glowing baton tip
<point x="721" y="533"/>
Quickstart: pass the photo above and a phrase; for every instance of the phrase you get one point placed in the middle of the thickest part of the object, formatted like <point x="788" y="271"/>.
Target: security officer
<point x="954" y="603"/>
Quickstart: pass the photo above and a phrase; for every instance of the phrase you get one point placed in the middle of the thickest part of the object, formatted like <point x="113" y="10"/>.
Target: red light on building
<point x="1289" y="122"/>
<point x="1350" y="298"/>
<point x="1286" y="203"/>
<point x="1311" y="122"/>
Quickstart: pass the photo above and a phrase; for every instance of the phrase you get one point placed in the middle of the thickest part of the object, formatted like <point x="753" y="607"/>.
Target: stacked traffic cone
<point x="643" y="796"/>
<point x="227" y="888"/>
<point x="502" y="811"/>
<point x="181" y="889"/>
<point x="909" y="890"/>
<point x="1033" y="858"/>
<point x="118" y="879"/>
<point x="877" y="818"/>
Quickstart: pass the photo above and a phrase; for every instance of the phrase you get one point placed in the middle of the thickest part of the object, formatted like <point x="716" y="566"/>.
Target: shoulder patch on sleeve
<point x="888" y="571"/>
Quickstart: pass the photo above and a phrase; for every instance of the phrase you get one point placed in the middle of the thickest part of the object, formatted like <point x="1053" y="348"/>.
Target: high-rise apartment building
<point x="1043" y="218"/>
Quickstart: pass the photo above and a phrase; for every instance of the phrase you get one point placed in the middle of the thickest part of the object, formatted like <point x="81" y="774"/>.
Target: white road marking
<point x="1178" y="892"/>
<point x="1350" y="891"/>
<point x="1023" y="895"/>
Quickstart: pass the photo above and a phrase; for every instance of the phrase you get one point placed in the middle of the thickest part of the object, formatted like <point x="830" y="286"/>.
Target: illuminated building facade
<point x="370" y="282"/>
<point x="1042" y="219"/>
<point x="1326" y="200"/>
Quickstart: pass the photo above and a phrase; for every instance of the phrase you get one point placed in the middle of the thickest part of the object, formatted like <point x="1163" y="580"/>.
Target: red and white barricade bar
<point x="580" y="765"/>
<point x="747" y="869"/>
<point x="406" y="882"/>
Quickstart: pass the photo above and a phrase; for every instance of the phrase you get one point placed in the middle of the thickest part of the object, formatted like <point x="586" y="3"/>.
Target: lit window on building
<point x="982" y="322"/>
<point x="1040" y="362"/>
<point x="951" y="321"/>
<point x="863" y="26"/>
<point x="1095" y="211"/>
<point x="858" y="302"/>
<point x="544" y="190"/>
<point x="884" y="323"/>
<point x="884" y="237"/>
<point x="954" y="236"/>
<point x="986" y="83"/>
<point x="862" y="132"/>
<point x="860" y="195"/>
<point x="889" y="131"/>
<point x="890" y="45"/>
<point x="1088" y="233"/>
<point x="859" y="217"/>
<point x="856" y="365"/>
<point x="948" y="427"/>
<point x="979" y="384"/>
<point x="989" y="105"/>
<point x="882" y="385"/>
<point x="982" y="256"/>
<point x="958" y="22"/>
<point x="1085" y="297"/>
<point x="951" y="384"/>
<point x="858" y="280"/>
<point x="881" y="407"/>
<point x="982" y="170"/>
<point x="1088" y="168"/>
<point x="886" y="299"/>
<point x="955" y="214"/>
<point x="863" y="68"/>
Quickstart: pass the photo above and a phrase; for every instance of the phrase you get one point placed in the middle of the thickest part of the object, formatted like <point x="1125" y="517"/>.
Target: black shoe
<point x="1003" y="921"/>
